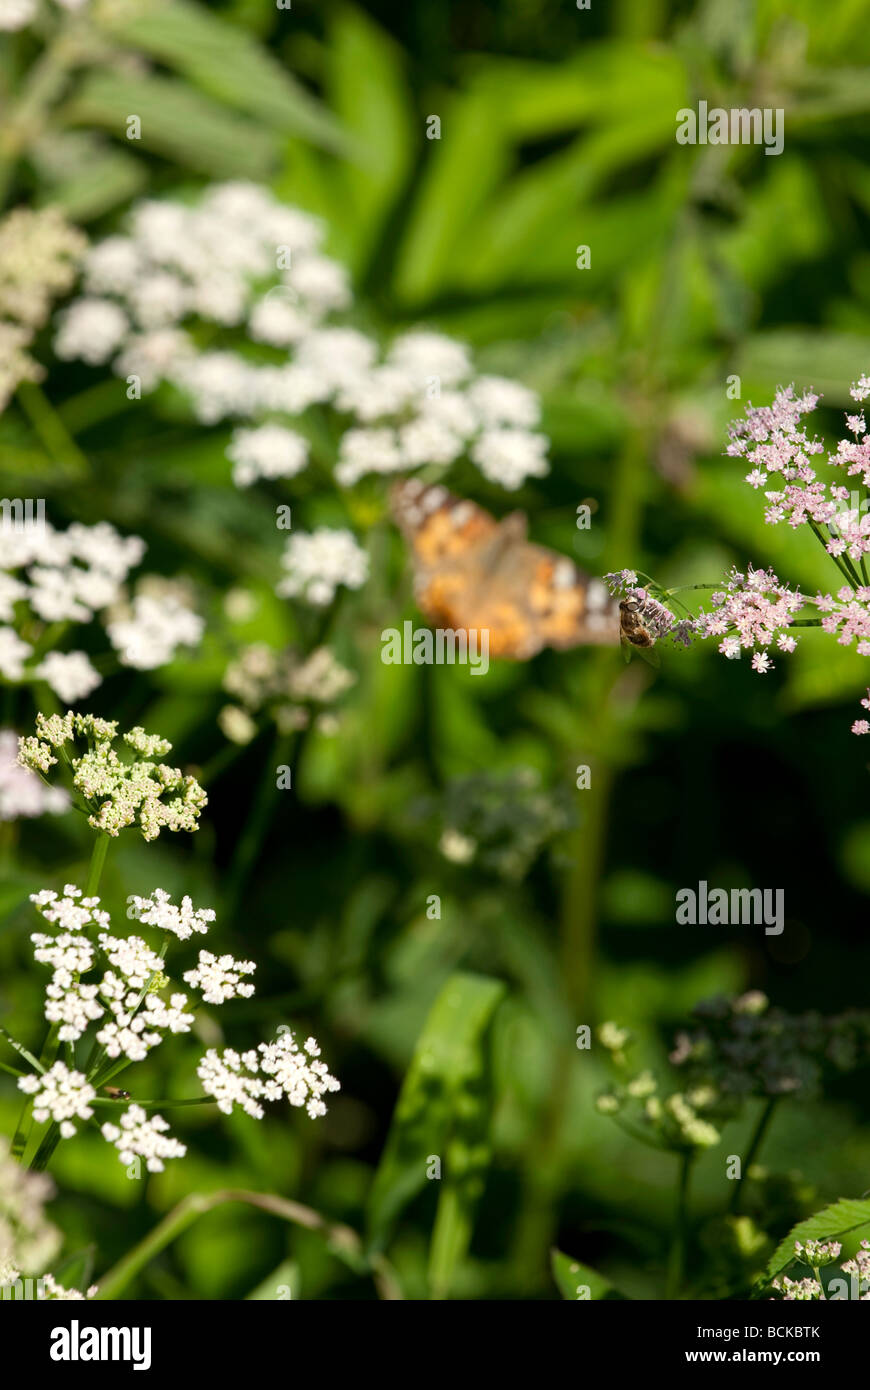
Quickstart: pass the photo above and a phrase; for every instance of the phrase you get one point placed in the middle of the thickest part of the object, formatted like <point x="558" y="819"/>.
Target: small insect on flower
<point x="642" y="621"/>
<point x="115" y="1093"/>
<point x="633" y="627"/>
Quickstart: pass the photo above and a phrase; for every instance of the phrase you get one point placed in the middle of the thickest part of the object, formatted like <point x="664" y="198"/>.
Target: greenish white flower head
<point x="120" y="787"/>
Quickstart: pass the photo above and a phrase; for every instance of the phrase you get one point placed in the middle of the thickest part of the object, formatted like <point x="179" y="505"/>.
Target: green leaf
<point x="826" y="361"/>
<point x="229" y="65"/>
<point x="459" y="173"/>
<point x="370" y="94"/>
<point x="578" y="1282"/>
<point x="283" y="1283"/>
<point x="442" y="1112"/>
<point x="832" y="1223"/>
<point x="176" y="122"/>
<point x="109" y="180"/>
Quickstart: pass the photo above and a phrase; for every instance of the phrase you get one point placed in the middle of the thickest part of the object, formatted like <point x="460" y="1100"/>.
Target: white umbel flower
<point x="317" y="562"/>
<point x="219" y="978"/>
<point x="158" y="910"/>
<point x="275" y="1071"/>
<point x="60" y="1095"/>
<point x="431" y="357"/>
<point x="13" y="654"/>
<point x="500" y="401"/>
<point x="91" y="329"/>
<point x="70" y="675"/>
<point x="137" y="1136"/>
<point x="71" y="911"/>
<point x="368" y="451"/>
<point x="16" y="14"/>
<point x="22" y="793"/>
<point x="509" y="456"/>
<point x="270" y="451"/>
<point x="157" y="625"/>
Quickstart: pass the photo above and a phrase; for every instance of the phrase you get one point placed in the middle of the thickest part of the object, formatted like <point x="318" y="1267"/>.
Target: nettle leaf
<point x="832" y="1223"/>
<point x="578" y="1282"/>
<point x="443" y="1112"/>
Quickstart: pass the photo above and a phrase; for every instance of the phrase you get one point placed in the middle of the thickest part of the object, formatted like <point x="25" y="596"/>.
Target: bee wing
<point x="649" y="654"/>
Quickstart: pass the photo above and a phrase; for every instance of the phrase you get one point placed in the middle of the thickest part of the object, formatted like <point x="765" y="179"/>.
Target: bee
<point x="640" y="626"/>
<point x="115" y="1093"/>
<point x="633" y="627"/>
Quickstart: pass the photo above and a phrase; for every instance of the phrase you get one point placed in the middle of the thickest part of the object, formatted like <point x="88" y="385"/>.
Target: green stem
<point x="836" y="558"/>
<point x="51" y="1137"/>
<point x="22" y="1050"/>
<point x="752" y="1153"/>
<point x="109" y="1102"/>
<point x="51" y="430"/>
<point x="677" y="1256"/>
<point x="341" y="1240"/>
<point x="95" y="869"/>
<point x="257" y="821"/>
<point x="45" y="85"/>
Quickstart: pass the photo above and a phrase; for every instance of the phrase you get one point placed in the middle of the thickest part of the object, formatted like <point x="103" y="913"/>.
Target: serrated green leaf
<point x="832" y="1223"/>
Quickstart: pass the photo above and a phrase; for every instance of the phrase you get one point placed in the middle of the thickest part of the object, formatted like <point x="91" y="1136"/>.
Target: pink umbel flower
<point x="773" y="440"/>
<point x="804" y="484"/>
<point x="752" y="612"/>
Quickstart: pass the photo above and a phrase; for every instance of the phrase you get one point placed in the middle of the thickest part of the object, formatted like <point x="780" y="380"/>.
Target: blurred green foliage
<point x="455" y="1036"/>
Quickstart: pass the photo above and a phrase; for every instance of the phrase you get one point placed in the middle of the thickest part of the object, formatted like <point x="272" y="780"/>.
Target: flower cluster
<point x="501" y="822"/>
<point x="772" y="440"/>
<point x="39" y="254"/>
<point x="22" y="794"/>
<point x="118" y="788"/>
<point x="744" y="1047"/>
<point x="60" y="1094"/>
<point x="317" y="562"/>
<point x="741" y="1048"/>
<point x="285" y="684"/>
<point x="272" y="1071"/>
<point x="17" y="14"/>
<point x="28" y="1240"/>
<point x="643" y="613"/>
<point x="816" y="1254"/>
<point x="676" y="1121"/>
<point x="72" y="576"/>
<point x="239" y="259"/>
<point x="755" y="610"/>
<point x="752" y="611"/>
<point x="115" y="989"/>
<point x="135" y="1136"/>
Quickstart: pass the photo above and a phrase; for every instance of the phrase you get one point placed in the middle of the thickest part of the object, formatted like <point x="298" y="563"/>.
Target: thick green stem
<point x="677" y="1256"/>
<point x="95" y="869"/>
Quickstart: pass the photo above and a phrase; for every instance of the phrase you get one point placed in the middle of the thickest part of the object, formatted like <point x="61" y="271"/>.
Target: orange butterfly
<point x="476" y="573"/>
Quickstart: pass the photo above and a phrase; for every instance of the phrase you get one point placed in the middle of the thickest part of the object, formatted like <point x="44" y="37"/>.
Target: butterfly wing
<point x="474" y="572"/>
